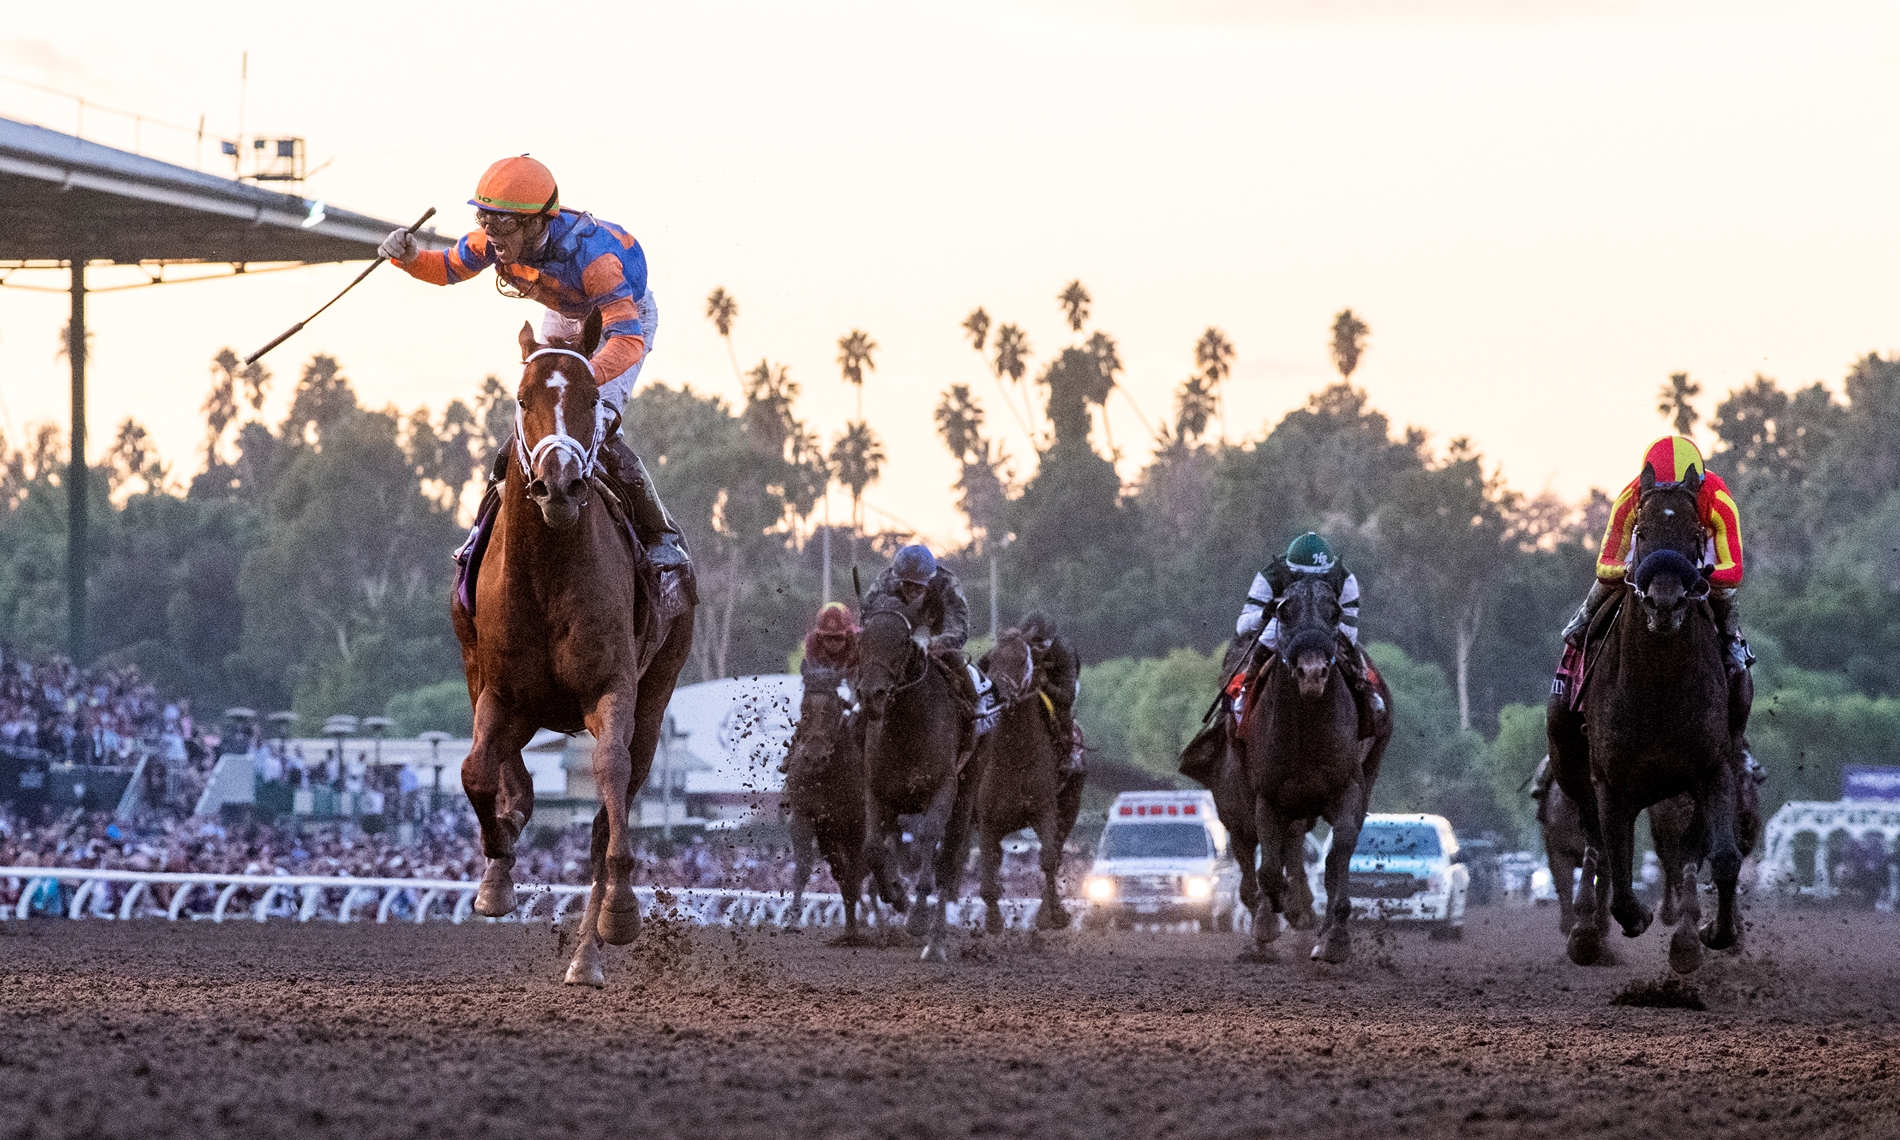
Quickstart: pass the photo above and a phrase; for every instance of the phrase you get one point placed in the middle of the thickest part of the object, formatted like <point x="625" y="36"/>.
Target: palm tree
<point x="1012" y="360"/>
<point x="854" y="360"/>
<point x="1349" y="342"/>
<point x="858" y="458"/>
<point x="1075" y="304"/>
<point x="1214" y="356"/>
<point x="1672" y="402"/>
<point x="721" y="309"/>
<point x="977" y="327"/>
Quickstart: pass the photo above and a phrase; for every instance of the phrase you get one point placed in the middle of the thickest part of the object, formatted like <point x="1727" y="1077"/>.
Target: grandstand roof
<point x="61" y="195"/>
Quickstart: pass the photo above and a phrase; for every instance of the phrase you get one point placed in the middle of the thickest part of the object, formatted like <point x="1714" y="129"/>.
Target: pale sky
<point x="1541" y="207"/>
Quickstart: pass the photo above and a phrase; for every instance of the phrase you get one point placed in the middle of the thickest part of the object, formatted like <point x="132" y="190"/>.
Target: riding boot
<point x="666" y="547"/>
<point x="1600" y="592"/>
<point x="1735" y="654"/>
<point x="1540" y="780"/>
<point x="1364" y="697"/>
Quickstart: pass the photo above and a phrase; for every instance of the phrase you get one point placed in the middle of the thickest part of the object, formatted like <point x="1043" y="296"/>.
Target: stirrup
<point x="666" y="553"/>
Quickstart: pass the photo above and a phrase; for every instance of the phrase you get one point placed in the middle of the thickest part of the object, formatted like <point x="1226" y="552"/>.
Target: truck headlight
<point x="1099" y="889"/>
<point x="1198" y="887"/>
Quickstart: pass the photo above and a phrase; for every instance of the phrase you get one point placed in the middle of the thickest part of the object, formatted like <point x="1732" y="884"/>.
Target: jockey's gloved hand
<point x="400" y="245"/>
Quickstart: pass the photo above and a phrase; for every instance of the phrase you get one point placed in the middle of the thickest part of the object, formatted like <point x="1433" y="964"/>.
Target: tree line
<point x="304" y="563"/>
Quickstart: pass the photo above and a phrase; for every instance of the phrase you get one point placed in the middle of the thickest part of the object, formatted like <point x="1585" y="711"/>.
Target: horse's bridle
<point x="1636" y="529"/>
<point x="587" y="456"/>
<point x="1028" y="686"/>
<point x="910" y="627"/>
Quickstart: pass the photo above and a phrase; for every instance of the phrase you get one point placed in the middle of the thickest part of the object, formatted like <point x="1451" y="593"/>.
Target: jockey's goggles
<point x="503" y="224"/>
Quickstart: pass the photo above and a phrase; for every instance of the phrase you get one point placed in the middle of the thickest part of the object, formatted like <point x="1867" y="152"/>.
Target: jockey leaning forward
<point x="574" y="264"/>
<point x="931" y="597"/>
<point x="1061" y="668"/>
<point x="1310" y="555"/>
<point x="1672" y="459"/>
<point x="831" y="649"/>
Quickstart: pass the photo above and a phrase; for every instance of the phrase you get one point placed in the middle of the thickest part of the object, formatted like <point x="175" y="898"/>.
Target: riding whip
<point x="293" y="330"/>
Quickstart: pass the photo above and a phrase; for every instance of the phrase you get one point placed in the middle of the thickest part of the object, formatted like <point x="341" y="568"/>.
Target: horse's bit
<point x="558" y="439"/>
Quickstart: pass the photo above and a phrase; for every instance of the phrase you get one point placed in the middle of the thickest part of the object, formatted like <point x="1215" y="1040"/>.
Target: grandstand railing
<point x="198" y="896"/>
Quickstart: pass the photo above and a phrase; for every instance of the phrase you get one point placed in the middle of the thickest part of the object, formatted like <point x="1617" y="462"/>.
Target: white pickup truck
<point x="1163" y="857"/>
<point x="1407" y="867"/>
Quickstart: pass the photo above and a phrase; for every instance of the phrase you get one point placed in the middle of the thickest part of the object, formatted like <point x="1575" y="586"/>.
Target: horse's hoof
<point x="1633" y="919"/>
<point x="1335" y="948"/>
<point x="992" y="919"/>
<point x="936" y="950"/>
<point x="1052" y="917"/>
<point x="1258" y="954"/>
<point x="918" y="924"/>
<point x="1586" y="945"/>
<point x="1304" y="921"/>
<point x="619" y="927"/>
<point x="585" y="975"/>
<point x="1266" y="928"/>
<point x="1566" y="923"/>
<point x="496" y="896"/>
<point x="1685" y="951"/>
<point x="1716" y="939"/>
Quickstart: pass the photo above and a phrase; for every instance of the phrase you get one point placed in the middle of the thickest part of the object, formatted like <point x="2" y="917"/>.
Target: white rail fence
<point x="126" y="895"/>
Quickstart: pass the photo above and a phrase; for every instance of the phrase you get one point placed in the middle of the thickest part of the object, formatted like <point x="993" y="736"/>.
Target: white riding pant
<point x="615" y="392"/>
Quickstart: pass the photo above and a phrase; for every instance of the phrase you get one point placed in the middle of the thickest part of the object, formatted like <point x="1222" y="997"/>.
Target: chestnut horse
<point x="571" y="629"/>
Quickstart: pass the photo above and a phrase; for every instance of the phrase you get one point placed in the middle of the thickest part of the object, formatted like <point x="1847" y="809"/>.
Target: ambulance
<point x="1163" y="858"/>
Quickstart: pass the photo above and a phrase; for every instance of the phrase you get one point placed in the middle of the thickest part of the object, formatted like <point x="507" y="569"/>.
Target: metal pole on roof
<point x="76" y="547"/>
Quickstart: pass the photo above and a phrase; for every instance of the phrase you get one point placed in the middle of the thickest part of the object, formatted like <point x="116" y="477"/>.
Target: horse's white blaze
<point x="559" y="440"/>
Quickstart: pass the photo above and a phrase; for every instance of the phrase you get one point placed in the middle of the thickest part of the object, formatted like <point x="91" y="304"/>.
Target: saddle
<point x="1573" y="671"/>
<point x="670" y="593"/>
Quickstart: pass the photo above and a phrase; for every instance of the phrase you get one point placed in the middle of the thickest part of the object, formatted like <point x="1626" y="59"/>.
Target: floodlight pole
<point x="76" y="475"/>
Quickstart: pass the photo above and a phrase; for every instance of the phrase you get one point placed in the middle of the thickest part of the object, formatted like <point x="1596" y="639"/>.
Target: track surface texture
<point x="159" y="1029"/>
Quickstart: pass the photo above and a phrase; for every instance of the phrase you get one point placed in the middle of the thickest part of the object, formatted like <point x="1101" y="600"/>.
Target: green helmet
<point x="1311" y="553"/>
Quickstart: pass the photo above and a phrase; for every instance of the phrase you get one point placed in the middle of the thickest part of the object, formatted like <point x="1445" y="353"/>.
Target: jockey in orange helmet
<point x="575" y="265"/>
<point x="832" y="644"/>
<point x="1672" y="459"/>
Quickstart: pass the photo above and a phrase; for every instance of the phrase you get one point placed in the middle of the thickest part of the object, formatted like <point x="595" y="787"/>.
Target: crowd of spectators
<point x="105" y="715"/>
<point x="445" y="847"/>
<point x="108" y="716"/>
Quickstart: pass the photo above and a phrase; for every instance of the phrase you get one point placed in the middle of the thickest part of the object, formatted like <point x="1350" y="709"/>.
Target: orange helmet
<point x="518" y="185"/>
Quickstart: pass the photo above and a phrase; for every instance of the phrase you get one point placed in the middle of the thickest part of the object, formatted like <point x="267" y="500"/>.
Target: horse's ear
<point x="590" y="333"/>
<point x="1647" y="480"/>
<point x="1693" y="480"/>
<point x="526" y="340"/>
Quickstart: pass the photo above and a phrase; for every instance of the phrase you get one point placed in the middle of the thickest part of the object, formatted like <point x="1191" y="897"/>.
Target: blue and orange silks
<point x="1670" y="460"/>
<point x="585" y="264"/>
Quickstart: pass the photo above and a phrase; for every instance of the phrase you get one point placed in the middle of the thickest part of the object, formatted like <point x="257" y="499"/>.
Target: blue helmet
<point x="914" y="564"/>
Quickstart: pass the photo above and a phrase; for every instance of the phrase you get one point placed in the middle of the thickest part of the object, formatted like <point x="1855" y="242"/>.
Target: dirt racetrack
<point x="159" y="1029"/>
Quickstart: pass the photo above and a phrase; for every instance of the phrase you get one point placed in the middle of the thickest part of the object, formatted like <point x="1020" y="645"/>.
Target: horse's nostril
<point x="574" y="489"/>
<point x="538" y="488"/>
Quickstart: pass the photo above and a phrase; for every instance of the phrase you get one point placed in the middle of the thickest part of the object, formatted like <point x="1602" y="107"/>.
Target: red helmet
<point x="519" y="185"/>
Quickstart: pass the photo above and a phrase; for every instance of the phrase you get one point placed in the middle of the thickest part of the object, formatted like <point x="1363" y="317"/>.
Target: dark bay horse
<point x="1017" y="782"/>
<point x="913" y="730"/>
<point x="1212" y="760"/>
<point x="1672" y="830"/>
<point x="1305" y="759"/>
<point x="1564" y="848"/>
<point x="824" y="783"/>
<point x="1658" y="709"/>
<point x="571" y="630"/>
